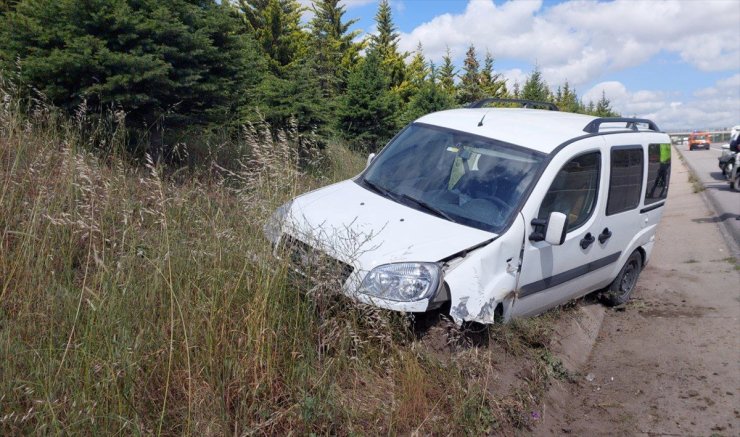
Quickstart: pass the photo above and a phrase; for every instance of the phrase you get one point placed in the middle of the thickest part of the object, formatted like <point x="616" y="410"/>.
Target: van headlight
<point x="402" y="282"/>
<point x="274" y="226"/>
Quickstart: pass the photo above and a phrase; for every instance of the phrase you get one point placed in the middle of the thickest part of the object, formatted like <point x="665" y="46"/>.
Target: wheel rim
<point x="629" y="278"/>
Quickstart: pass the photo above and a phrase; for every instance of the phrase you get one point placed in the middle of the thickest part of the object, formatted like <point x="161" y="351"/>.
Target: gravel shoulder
<point x="669" y="362"/>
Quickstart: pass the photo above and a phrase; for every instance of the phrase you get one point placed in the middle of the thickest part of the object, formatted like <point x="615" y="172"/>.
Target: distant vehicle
<point x="727" y="158"/>
<point x="699" y="140"/>
<point x="729" y="162"/>
<point x="489" y="213"/>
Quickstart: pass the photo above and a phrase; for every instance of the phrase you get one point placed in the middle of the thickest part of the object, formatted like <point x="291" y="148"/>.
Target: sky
<point x="676" y="62"/>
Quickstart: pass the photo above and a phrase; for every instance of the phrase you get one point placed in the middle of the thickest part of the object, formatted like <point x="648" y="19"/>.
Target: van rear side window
<point x="659" y="172"/>
<point x="625" y="182"/>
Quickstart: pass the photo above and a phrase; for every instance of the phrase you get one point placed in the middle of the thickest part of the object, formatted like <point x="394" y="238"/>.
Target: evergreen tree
<point x="591" y="108"/>
<point x="603" y="107"/>
<point x="516" y="91"/>
<point x="332" y="45"/>
<point x="492" y="84"/>
<point x="414" y="77"/>
<point x="7" y="5"/>
<point x="429" y="98"/>
<point x="385" y="45"/>
<point x="535" y="87"/>
<point x="283" y="100"/>
<point x="276" y="26"/>
<point x="174" y="62"/>
<point x="447" y="74"/>
<point x="470" y="89"/>
<point x="567" y="99"/>
<point x="367" y="112"/>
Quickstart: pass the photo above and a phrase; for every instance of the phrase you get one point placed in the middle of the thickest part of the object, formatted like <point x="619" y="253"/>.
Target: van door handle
<point x="587" y="241"/>
<point x="605" y="235"/>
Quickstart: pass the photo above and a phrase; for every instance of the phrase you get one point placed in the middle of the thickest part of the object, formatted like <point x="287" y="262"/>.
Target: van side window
<point x="625" y="182"/>
<point x="659" y="172"/>
<point x="574" y="190"/>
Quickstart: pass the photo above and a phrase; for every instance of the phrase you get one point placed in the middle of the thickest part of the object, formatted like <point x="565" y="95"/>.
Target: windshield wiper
<point x="391" y="195"/>
<point x="428" y="207"/>
<point x="378" y="189"/>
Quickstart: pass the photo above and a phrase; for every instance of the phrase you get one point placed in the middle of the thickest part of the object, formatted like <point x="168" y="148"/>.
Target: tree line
<point x="188" y="65"/>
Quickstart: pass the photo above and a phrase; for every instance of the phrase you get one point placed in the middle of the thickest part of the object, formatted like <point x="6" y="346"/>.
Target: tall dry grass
<point x="144" y="300"/>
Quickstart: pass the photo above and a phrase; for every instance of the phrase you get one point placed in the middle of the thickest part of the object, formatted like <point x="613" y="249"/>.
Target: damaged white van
<point x="490" y="213"/>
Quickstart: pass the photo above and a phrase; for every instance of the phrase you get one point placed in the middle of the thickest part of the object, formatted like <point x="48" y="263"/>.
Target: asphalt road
<point x="724" y="202"/>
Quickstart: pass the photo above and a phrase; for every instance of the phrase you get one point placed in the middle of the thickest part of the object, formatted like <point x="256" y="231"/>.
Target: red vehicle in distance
<point x="699" y="140"/>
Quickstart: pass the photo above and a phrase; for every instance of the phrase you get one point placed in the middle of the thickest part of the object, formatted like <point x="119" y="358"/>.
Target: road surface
<point x="724" y="201"/>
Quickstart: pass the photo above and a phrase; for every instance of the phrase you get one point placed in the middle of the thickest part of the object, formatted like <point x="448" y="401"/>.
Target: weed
<point x="145" y="299"/>
<point x="696" y="183"/>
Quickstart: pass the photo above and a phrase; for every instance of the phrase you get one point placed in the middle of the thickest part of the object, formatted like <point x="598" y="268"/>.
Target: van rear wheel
<point x="620" y="291"/>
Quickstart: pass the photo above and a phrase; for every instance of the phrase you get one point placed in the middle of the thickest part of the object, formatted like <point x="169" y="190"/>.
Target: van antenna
<point x="480" y="123"/>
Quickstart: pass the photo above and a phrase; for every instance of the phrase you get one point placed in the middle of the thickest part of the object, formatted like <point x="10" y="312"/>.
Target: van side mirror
<point x="553" y="230"/>
<point x="370" y="158"/>
<point x="557" y="228"/>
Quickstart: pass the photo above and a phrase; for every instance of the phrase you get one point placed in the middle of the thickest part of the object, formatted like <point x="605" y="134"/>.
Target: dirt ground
<point x="668" y="363"/>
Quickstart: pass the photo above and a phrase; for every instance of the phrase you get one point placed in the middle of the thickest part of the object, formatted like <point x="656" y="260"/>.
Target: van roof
<point x="536" y="129"/>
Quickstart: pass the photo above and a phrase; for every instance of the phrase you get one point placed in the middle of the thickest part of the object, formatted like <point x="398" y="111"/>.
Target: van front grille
<point x="313" y="263"/>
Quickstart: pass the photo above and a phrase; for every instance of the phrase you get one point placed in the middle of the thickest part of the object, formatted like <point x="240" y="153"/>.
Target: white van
<point x="490" y="213"/>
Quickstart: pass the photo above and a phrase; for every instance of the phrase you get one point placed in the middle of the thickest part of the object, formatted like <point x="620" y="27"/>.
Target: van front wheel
<point x="620" y="290"/>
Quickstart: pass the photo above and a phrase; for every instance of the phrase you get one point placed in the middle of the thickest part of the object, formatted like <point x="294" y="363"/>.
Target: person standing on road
<point x="734" y="142"/>
<point x="665" y="165"/>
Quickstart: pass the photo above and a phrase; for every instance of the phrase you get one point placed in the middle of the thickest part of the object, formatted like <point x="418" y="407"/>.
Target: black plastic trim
<point x="568" y="275"/>
<point x="594" y="125"/>
<point x="652" y="207"/>
<point x="524" y="102"/>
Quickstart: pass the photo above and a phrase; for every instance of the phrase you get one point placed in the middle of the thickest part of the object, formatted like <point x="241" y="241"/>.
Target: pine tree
<point x="333" y="47"/>
<point x="591" y="108"/>
<point x="295" y="98"/>
<point x="276" y="25"/>
<point x="469" y="89"/>
<point x="429" y="98"/>
<point x="567" y="99"/>
<point x="492" y="84"/>
<point x="414" y="77"/>
<point x="516" y="90"/>
<point x="447" y="74"/>
<point x="603" y="107"/>
<point x="172" y="62"/>
<point x="368" y="110"/>
<point x="7" y="5"/>
<point x="535" y="87"/>
<point x="385" y="45"/>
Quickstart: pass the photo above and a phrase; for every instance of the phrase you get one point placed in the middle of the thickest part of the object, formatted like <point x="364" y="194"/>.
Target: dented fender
<point x="487" y="277"/>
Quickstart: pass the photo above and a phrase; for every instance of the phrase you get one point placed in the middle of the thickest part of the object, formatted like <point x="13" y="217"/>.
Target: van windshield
<point x="463" y="178"/>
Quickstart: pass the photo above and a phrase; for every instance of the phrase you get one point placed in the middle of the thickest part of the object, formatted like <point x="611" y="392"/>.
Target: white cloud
<point x="581" y="40"/>
<point x="717" y="106"/>
<point x="515" y="75"/>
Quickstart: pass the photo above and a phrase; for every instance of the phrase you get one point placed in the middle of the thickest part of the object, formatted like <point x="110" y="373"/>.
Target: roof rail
<point x="631" y="123"/>
<point x="525" y="103"/>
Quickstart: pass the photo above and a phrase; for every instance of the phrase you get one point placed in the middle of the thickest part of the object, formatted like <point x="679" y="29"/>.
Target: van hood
<point x="362" y="228"/>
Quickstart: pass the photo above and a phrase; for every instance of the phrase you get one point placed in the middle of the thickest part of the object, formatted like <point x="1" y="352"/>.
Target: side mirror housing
<point x="370" y="158"/>
<point x="551" y="230"/>
<point x="557" y="228"/>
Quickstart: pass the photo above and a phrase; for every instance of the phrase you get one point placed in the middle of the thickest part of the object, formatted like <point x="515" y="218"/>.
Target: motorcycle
<point x="726" y="161"/>
<point x="734" y="174"/>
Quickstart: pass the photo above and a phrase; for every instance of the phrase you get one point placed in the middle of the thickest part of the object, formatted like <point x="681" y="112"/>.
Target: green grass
<point x="144" y="300"/>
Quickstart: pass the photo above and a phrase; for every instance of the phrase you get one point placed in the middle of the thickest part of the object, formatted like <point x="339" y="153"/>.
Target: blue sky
<point x="676" y="61"/>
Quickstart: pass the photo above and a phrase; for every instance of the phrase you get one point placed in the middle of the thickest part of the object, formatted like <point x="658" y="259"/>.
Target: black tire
<point x="620" y="291"/>
<point x="736" y="183"/>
